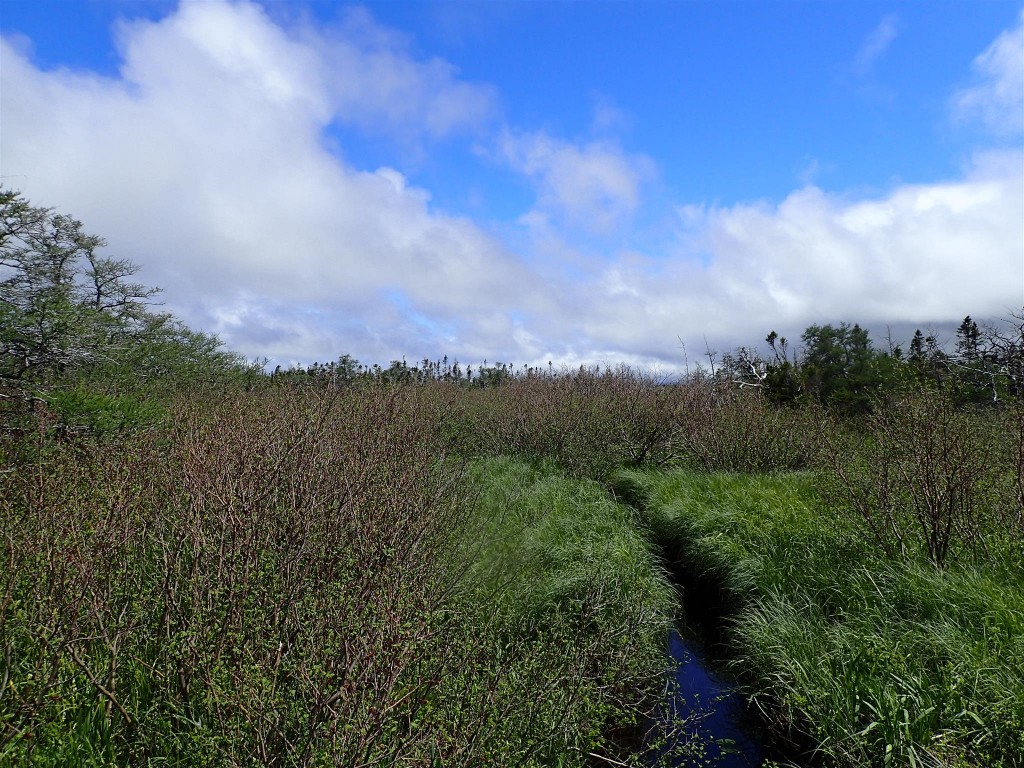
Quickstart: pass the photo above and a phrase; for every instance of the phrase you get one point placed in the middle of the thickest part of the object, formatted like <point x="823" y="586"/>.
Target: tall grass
<point x="879" y="662"/>
<point x="572" y="589"/>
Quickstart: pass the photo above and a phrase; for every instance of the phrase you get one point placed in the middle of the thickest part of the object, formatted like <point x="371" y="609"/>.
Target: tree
<point x="985" y="367"/>
<point x="967" y="337"/>
<point x="62" y="305"/>
<point x="989" y="361"/>
<point x="782" y="383"/>
<point x="840" y="367"/>
<point x="66" y="311"/>
<point x="1005" y="347"/>
<point x="745" y="368"/>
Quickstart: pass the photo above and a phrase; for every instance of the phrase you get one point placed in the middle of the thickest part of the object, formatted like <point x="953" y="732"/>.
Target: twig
<point x="99" y="686"/>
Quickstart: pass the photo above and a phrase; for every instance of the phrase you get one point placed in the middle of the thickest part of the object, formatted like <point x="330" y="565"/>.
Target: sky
<point x="577" y="182"/>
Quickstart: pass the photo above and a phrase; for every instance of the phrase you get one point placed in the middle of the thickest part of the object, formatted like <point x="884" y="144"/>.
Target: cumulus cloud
<point x="996" y="99"/>
<point x="876" y="44"/>
<point x="917" y="255"/>
<point x="920" y="255"/>
<point x="593" y="184"/>
<point x="205" y="161"/>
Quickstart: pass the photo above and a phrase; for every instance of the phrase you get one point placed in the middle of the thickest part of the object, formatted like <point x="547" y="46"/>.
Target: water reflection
<point x="703" y="720"/>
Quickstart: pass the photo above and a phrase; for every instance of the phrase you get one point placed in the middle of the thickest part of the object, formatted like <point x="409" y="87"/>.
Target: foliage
<point x="726" y="429"/>
<point x="61" y="303"/>
<point x="840" y="367"/>
<point x="249" y="572"/>
<point x="70" y="315"/>
<point x="310" y="578"/>
<point x="166" y="355"/>
<point x="102" y="415"/>
<point x="587" y="421"/>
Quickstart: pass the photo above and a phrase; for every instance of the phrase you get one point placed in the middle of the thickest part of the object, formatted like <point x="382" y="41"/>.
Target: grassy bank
<point x="576" y="606"/>
<point x="878" y="662"/>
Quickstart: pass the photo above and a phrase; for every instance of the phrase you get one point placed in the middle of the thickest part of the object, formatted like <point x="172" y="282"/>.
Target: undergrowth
<point x="314" y="578"/>
<point x="306" y="572"/>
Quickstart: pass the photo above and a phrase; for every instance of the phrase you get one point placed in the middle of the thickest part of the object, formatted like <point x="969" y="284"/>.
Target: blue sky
<point x="583" y="182"/>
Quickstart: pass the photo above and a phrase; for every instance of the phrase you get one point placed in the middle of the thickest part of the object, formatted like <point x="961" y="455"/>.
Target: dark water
<point x="710" y="730"/>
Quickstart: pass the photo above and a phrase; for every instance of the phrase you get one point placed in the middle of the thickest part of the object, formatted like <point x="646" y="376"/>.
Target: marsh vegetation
<point x="202" y="564"/>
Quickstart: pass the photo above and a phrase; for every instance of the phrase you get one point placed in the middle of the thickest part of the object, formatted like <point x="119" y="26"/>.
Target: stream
<point x="712" y="730"/>
<point x="703" y="722"/>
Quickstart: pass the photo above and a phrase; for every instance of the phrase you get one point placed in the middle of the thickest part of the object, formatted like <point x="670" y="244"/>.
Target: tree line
<point x="840" y="366"/>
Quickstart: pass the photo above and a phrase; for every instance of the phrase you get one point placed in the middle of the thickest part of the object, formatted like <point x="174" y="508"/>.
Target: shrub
<point x="264" y="580"/>
<point x="921" y="474"/>
<point x="588" y="422"/>
<point x="732" y="430"/>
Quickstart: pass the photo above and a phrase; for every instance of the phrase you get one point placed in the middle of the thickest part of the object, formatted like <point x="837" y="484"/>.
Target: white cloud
<point x="205" y="162"/>
<point x="919" y="254"/>
<point x="218" y="49"/>
<point x="594" y="185"/>
<point x="996" y="100"/>
<point x="876" y="44"/>
<point x="376" y="84"/>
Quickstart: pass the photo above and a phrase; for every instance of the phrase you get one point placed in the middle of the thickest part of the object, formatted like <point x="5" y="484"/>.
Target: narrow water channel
<point x="703" y="720"/>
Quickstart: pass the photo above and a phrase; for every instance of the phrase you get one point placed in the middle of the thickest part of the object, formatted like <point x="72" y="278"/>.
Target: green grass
<point x="878" y="662"/>
<point x="553" y="542"/>
<point x="572" y="603"/>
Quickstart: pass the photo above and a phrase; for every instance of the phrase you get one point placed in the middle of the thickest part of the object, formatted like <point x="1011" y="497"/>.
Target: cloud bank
<point x="922" y="254"/>
<point x="206" y="161"/>
<point x="212" y="160"/>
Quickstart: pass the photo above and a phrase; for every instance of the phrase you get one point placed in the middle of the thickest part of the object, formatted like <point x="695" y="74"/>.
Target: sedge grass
<point x="564" y="575"/>
<point x="878" y="662"/>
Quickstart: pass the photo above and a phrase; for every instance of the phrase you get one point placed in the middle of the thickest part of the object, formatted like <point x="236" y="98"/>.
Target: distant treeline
<point x="841" y="367"/>
<point x="347" y="369"/>
<point x="71" y="315"/>
<point x="835" y="365"/>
